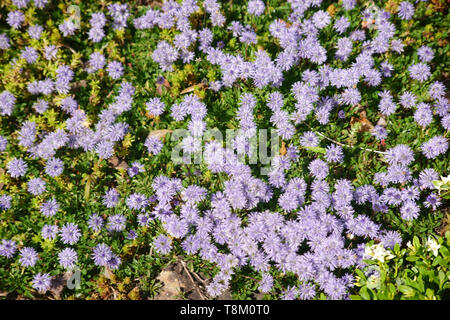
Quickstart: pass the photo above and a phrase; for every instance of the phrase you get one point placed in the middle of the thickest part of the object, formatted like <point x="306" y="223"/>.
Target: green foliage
<point x="421" y="271"/>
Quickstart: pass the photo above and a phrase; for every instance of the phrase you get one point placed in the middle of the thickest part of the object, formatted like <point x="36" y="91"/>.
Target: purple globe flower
<point x="433" y="201"/>
<point x="162" y="244"/>
<point x="54" y="167"/>
<point x="266" y="283"/>
<point x="50" y="207"/>
<point x="419" y="71"/>
<point x="21" y="3"/>
<point x="115" y="69"/>
<point x="41" y="106"/>
<point x="425" y="53"/>
<point x="379" y="132"/>
<point x="409" y="210"/>
<point x="154" y="145"/>
<point x="67" y="258"/>
<point x="40" y="3"/>
<point x="17" y="168"/>
<point x="318" y="168"/>
<point x="96" y="62"/>
<point x="95" y="222"/>
<point x="70" y="233"/>
<point x="116" y="222"/>
<point x="50" y="52"/>
<point x="256" y="7"/>
<point x="155" y="106"/>
<point x="7" y="101"/>
<point x="7" y="248"/>
<point x="29" y="54"/>
<point x="111" y="198"/>
<point x="5" y="202"/>
<point x="135" y="168"/>
<point x="15" y="19"/>
<point x="35" y="31"/>
<point x="114" y="262"/>
<point x="101" y="254"/>
<point x="36" y="186"/>
<point x="4" y="42"/>
<point x="42" y="282"/>
<point x="49" y="232"/>
<point x="28" y="257"/>
<point x="334" y="153"/>
<point x="405" y="10"/>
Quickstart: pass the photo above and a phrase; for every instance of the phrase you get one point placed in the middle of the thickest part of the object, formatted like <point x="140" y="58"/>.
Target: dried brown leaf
<point x="366" y="125"/>
<point x="193" y="87"/>
<point x="160" y="84"/>
<point x="117" y="163"/>
<point x="160" y="134"/>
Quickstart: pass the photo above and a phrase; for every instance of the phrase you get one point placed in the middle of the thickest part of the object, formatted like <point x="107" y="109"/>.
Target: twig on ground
<point x="192" y="280"/>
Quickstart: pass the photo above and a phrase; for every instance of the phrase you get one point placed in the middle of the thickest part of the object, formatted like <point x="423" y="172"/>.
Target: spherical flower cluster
<point x="116" y="222"/>
<point x="255" y="7"/>
<point x="111" y="198"/>
<point x="155" y="106"/>
<point x="7" y="248"/>
<point x="70" y="233"/>
<point x="101" y="254"/>
<point x="15" y="19"/>
<point x="35" y="31"/>
<point x="67" y="258"/>
<point x="95" y="222"/>
<point x="162" y="244"/>
<point x="49" y="232"/>
<point x="28" y="257"/>
<point x="17" y="168"/>
<point x="4" y="42"/>
<point x="7" y="101"/>
<point x="97" y="21"/>
<point x="419" y="71"/>
<point x="42" y="282"/>
<point x="96" y="62"/>
<point x="115" y="69"/>
<point x="36" y="186"/>
<point x="153" y="144"/>
<point x="50" y="207"/>
<point x="434" y="147"/>
<point x="405" y="10"/>
<point x="5" y="202"/>
<point x="54" y="167"/>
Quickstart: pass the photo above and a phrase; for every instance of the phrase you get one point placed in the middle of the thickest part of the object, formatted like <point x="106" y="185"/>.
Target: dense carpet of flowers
<point x="90" y="94"/>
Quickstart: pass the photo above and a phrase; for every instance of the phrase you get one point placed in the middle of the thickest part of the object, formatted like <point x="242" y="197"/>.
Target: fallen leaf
<point x="109" y="274"/>
<point x="2" y="172"/>
<point x="117" y="163"/>
<point x="162" y="82"/>
<point x="366" y="125"/>
<point x="283" y="148"/>
<point x="192" y="88"/>
<point x="160" y="134"/>
<point x="382" y="122"/>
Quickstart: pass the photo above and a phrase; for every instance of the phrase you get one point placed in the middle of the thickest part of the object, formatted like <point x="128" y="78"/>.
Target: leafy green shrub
<point x="421" y="271"/>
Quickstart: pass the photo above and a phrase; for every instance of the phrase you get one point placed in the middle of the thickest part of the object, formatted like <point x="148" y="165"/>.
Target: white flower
<point x="378" y="252"/>
<point x="433" y="246"/>
<point x="409" y="245"/>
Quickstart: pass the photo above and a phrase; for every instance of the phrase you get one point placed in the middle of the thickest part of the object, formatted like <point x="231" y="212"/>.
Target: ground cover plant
<point x="268" y="149"/>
